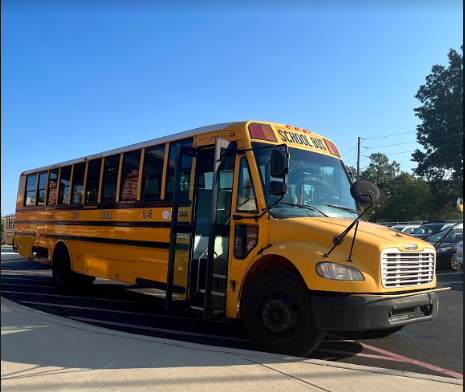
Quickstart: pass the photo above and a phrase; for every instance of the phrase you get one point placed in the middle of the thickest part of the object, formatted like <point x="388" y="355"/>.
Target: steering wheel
<point x="327" y="199"/>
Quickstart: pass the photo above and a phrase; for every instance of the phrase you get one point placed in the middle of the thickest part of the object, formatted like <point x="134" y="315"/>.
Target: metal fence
<point x="390" y="224"/>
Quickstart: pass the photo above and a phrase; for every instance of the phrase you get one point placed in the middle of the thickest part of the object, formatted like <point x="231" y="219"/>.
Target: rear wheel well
<point x="59" y="247"/>
<point x="266" y="264"/>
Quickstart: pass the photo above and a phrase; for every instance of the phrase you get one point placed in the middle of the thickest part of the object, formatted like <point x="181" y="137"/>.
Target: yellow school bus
<point x="9" y="229"/>
<point x="248" y="220"/>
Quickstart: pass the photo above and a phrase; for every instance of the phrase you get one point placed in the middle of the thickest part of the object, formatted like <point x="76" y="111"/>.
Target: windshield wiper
<point x="342" y="208"/>
<point x="311" y="208"/>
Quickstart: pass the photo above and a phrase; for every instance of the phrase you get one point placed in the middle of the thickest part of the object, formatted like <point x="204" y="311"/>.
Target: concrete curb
<point x="245" y="354"/>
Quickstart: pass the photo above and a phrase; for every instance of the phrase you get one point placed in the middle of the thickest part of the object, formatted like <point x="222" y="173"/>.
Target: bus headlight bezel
<point x="334" y="271"/>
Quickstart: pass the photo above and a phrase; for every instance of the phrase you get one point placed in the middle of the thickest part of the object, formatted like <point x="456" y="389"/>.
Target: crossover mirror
<point x="364" y="192"/>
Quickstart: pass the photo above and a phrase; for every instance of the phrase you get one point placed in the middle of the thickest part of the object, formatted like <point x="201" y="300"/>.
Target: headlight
<point x="442" y="250"/>
<point x="338" y="272"/>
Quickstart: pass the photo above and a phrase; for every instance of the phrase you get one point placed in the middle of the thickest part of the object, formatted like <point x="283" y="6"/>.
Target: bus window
<point x="130" y="176"/>
<point x="153" y="173"/>
<point x="31" y="183"/>
<point x="78" y="183"/>
<point x="93" y="181"/>
<point x="246" y="200"/>
<point x="52" y="187"/>
<point x="65" y="179"/>
<point x="110" y="178"/>
<point x="42" y="188"/>
<point x="186" y="168"/>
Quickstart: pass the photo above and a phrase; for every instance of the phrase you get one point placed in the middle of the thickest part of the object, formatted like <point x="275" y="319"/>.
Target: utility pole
<point x="358" y="157"/>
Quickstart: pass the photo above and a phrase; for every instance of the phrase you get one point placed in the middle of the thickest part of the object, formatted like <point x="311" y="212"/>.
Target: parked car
<point x="446" y="243"/>
<point x="409" y="229"/>
<point x="428" y="229"/>
<point x="459" y="254"/>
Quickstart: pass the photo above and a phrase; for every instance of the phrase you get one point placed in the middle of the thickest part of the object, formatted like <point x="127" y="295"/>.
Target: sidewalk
<point x="43" y="352"/>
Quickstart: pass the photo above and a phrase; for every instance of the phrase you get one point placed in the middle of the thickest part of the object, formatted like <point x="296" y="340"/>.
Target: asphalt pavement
<point x="422" y="349"/>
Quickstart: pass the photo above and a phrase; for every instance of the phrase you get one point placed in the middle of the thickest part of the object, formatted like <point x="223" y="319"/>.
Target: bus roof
<point x="153" y="142"/>
<point x="148" y="143"/>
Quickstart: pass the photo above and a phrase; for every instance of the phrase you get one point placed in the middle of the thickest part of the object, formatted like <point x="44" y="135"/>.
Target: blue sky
<point x="90" y="76"/>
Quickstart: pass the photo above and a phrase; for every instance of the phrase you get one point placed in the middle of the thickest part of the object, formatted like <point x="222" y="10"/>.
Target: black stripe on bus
<point x="25" y="234"/>
<point x="164" y="225"/>
<point x="105" y="206"/>
<point x="112" y="241"/>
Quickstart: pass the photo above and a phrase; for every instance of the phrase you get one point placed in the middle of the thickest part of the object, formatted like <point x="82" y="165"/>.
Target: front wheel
<point x="278" y="315"/>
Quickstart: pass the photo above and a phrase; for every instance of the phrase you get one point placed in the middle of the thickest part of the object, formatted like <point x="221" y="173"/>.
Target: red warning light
<point x="332" y="148"/>
<point x="262" y="132"/>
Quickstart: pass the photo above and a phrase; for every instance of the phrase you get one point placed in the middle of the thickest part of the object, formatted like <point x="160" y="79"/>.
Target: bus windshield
<point x="318" y="185"/>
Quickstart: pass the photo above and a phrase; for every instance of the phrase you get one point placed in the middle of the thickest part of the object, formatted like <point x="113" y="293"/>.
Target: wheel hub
<point x="280" y="314"/>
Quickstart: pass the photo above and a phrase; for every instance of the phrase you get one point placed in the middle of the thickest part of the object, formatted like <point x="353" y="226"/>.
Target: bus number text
<point x="147" y="214"/>
<point x="106" y="215"/>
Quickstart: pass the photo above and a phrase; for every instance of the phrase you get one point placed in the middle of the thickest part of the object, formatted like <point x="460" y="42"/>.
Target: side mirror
<point x="278" y="189"/>
<point x="279" y="165"/>
<point x="362" y="190"/>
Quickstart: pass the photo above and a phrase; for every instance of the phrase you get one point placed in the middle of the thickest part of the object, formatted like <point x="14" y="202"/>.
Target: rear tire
<point x="278" y="315"/>
<point x="64" y="277"/>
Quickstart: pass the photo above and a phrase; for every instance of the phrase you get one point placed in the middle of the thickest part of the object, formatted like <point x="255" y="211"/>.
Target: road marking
<point x="110" y="310"/>
<point x="28" y="285"/>
<point x="33" y="279"/>
<point x="352" y="354"/>
<point x="405" y="359"/>
<point x="76" y="297"/>
<point x="170" y="331"/>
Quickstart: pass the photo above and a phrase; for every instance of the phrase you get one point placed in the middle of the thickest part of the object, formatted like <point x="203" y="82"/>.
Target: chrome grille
<point x="405" y="269"/>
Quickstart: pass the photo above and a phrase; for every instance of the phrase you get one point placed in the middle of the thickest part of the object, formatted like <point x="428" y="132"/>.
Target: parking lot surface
<point x="431" y="348"/>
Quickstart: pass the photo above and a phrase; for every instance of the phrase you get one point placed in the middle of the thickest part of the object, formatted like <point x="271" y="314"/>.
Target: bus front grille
<point x="405" y="269"/>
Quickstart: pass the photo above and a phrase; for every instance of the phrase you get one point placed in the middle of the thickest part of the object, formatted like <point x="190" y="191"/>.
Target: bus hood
<point x="321" y="232"/>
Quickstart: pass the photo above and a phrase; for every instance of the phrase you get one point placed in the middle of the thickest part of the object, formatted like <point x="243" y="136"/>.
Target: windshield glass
<point x="318" y="185"/>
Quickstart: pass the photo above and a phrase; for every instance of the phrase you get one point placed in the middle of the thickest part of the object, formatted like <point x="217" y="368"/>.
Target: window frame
<point x="35" y="192"/>
<point x="99" y="181"/>
<point x="239" y="182"/>
<point x="118" y="173"/>
<point x="162" y="191"/>
<point x="139" y="176"/>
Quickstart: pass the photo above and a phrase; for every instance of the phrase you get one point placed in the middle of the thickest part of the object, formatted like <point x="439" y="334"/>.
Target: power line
<point x="349" y="150"/>
<point x="400" y="144"/>
<point x="406" y="133"/>
<point x="404" y="152"/>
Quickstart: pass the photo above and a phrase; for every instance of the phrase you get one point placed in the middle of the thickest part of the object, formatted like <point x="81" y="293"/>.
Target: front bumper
<point x="359" y="313"/>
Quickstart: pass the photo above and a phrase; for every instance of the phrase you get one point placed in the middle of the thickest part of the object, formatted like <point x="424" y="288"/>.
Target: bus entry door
<point x="201" y="243"/>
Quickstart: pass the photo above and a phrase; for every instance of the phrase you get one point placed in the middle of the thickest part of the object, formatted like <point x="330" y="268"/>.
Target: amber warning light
<point x="262" y="132"/>
<point x="332" y="148"/>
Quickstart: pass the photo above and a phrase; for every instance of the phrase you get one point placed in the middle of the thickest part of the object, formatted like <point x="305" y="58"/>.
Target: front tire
<point x="278" y="315"/>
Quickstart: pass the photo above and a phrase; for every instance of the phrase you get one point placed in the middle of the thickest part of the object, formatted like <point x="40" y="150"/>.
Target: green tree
<point x="441" y="130"/>
<point x="410" y="199"/>
<point x="3" y="230"/>
<point x="382" y="173"/>
<point x="352" y="172"/>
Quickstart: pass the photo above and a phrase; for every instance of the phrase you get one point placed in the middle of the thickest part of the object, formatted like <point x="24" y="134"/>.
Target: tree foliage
<point x="3" y="230"/>
<point x="441" y="130"/>
<point x="406" y="197"/>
